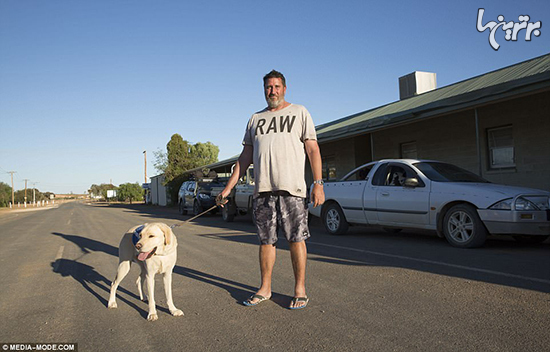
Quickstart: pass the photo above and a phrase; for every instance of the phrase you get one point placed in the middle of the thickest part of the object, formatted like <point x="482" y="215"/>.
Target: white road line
<point x="485" y="271"/>
<point x="57" y="258"/>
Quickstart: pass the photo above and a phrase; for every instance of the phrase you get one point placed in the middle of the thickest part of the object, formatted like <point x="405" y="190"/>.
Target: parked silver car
<point x="423" y="194"/>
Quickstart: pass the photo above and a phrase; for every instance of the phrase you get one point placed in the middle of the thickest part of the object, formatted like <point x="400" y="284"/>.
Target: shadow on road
<point x="87" y="275"/>
<point x="501" y="261"/>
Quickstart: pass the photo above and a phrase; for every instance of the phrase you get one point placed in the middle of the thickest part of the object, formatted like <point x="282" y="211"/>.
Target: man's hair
<point x="275" y="74"/>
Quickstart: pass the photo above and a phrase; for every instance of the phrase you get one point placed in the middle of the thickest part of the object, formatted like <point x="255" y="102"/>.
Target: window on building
<point x="329" y="168"/>
<point x="408" y="150"/>
<point x="501" y="147"/>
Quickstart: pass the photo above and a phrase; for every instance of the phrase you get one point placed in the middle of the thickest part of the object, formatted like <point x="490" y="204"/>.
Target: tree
<point x="130" y="192"/>
<point x="161" y="161"/>
<point x="204" y="153"/>
<point x="181" y="156"/>
<point x="101" y="190"/>
<point x="5" y="194"/>
<point x="179" y="160"/>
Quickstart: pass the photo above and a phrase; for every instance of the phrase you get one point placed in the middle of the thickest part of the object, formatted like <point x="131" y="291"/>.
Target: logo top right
<point x="511" y="28"/>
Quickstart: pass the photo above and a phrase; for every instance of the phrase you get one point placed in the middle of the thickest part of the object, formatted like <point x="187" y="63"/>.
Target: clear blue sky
<point x="87" y="86"/>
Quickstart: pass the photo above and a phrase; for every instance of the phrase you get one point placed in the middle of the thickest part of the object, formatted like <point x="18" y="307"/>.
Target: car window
<point x="380" y="175"/>
<point x="396" y="174"/>
<point x="443" y="172"/>
<point x="360" y="175"/>
<point x="207" y="186"/>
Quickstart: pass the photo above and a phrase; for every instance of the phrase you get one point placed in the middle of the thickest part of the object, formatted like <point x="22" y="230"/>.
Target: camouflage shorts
<point x="280" y="212"/>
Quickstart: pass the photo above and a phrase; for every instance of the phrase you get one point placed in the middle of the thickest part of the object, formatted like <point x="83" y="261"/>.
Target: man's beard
<point x="273" y="102"/>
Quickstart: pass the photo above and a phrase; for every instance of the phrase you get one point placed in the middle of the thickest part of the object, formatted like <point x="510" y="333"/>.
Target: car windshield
<point x="207" y="186"/>
<point x="442" y="172"/>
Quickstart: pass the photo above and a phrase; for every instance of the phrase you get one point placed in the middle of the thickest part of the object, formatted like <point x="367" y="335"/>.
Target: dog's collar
<point x="135" y="236"/>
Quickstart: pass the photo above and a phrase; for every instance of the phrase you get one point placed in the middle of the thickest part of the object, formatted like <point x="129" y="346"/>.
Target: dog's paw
<point x="152" y="316"/>
<point x="176" y="313"/>
<point x="112" y="305"/>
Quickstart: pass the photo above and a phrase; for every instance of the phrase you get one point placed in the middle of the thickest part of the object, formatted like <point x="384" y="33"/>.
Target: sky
<point x="87" y="86"/>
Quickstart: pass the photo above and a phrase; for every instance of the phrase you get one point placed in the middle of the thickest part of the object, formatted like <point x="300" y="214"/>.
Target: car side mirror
<point x="411" y="182"/>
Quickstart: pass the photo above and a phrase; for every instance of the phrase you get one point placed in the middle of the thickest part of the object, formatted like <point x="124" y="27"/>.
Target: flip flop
<point x="260" y="299"/>
<point x="299" y="299"/>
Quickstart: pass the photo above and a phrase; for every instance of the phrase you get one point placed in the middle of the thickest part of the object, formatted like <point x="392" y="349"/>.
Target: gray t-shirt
<point x="278" y="138"/>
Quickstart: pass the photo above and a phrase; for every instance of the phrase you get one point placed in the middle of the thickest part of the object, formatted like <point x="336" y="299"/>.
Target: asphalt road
<point x="370" y="291"/>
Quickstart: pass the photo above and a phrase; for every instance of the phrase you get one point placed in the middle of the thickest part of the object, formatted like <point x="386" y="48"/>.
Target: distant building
<point x="159" y="192"/>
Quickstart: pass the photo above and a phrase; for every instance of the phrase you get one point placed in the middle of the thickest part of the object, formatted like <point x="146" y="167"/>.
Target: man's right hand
<point x="221" y="200"/>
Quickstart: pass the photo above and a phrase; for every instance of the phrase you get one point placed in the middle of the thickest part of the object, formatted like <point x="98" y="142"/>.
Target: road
<point x="370" y="291"/>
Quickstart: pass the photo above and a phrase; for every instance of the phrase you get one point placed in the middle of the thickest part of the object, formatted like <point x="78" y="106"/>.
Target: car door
<point x="350" y="194"/>
<point x="400" y="205"/>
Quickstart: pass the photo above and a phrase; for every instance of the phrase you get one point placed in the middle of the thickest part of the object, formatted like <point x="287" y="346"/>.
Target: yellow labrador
<point x="154" y="247"/>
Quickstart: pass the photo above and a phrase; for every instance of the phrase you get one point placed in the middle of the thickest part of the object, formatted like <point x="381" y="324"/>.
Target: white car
<point x="432" y="195"/>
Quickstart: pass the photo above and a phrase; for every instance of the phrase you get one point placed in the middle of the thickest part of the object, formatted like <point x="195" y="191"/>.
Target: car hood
<point x="488" y="191"/>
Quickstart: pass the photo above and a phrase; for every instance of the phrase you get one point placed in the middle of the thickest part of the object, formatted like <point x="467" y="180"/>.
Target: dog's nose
<point x="138" y="245"/>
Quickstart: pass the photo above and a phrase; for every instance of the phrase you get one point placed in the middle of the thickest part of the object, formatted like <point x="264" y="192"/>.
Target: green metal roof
<point x="507" y="82"/>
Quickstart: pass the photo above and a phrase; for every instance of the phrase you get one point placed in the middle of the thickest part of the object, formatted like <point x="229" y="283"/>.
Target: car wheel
<point x="182" y="209"/>
<point x="524" y="239"/>
<point x="463" y="228"/>
<point x="334" y="220"/>
<point x="196" y="208"/>
<point x="227" y="214"/>
<point x="391" y="230"/>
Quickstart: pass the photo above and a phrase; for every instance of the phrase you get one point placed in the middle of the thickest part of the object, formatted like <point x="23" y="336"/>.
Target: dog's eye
<point x="151" y="236"/>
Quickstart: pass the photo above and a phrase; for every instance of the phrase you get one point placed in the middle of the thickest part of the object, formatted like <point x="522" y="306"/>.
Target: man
<point x="277" y="140"/>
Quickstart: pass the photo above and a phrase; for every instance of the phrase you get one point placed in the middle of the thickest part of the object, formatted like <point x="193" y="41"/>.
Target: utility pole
<point x="33" y="192"/>
<point x="26" y="191"/>
<point x="12" y="191"/>
<point x="145" y="155"/>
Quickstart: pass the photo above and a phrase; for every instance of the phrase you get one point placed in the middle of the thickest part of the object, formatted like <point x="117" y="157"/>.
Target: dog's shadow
<point x="88" y="277"/>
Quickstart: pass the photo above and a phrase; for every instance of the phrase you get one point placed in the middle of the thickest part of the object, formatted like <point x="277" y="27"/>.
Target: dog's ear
<point x="167" y="234"/>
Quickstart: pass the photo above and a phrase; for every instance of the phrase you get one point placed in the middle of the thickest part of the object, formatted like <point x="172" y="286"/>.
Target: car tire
<point x="524" y="239"/>
<point x="228" y="215"/>
<point x="182" y="209"/>
<point x="196" y="208"/>
<point x="334" y="220"/>
<point x="391" y="230"/>
<point x="463" y="228"/>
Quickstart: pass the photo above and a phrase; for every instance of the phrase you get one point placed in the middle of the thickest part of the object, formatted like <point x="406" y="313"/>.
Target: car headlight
<point x="204" y="196"/>
<point x="522" y="204"/>
<point x="505" y="204"/>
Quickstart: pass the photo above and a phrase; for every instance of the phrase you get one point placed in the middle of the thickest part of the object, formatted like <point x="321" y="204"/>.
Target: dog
<point x="154" y="247"/>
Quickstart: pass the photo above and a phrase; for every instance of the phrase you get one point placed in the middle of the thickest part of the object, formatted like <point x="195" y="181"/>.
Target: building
<point x="159" y="194"/>
<point x="496" y="125"/>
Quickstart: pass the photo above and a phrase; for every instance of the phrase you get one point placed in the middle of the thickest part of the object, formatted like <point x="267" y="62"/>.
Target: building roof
<point x="527" y="76"/>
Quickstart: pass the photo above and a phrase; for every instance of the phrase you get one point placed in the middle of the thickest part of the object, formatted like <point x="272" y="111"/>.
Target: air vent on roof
<point x="416" y="83"/>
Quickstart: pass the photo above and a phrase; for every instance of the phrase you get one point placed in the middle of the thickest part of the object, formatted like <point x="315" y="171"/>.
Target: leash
<point x="196" y="216"/>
